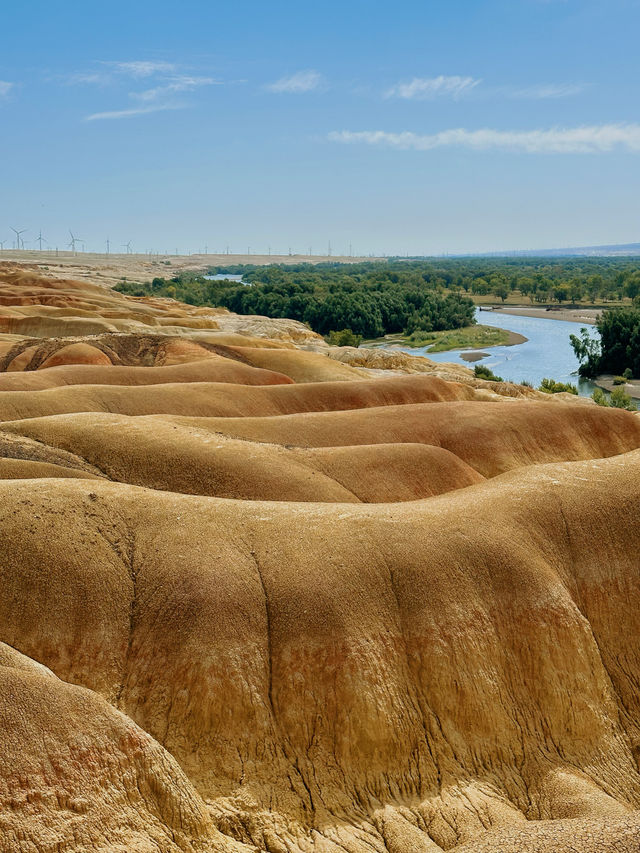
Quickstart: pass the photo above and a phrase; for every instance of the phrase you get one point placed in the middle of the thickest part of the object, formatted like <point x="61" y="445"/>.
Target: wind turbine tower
<point x="40" y="239"/>
<point x="73" y="242"/>
<point x="19" y="240"/>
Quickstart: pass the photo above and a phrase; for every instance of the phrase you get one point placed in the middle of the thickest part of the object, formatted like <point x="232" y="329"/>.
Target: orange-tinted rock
<point x="76" y="354"/>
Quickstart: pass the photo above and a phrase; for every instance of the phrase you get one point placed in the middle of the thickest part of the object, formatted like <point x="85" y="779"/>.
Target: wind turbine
<point x="19" y="240"/>
<point x="40" y="239"/>
<point x="108" y="245"/>
<point x="73" y="242"/>
<point x="127" y="246"/>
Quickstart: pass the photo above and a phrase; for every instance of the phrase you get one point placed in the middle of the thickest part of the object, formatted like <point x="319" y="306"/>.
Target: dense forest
<point x="376" y="298"/>
<point x="368" y="299"/>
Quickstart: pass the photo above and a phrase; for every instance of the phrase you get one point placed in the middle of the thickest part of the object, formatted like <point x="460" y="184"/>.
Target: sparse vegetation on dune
<point x="552" y="386"/>
<point x="483" y="372"/>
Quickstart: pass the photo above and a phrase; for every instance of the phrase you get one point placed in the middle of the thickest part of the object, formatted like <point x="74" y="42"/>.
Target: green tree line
<point x="371" y="300"/>
<point x="376" y="298"/>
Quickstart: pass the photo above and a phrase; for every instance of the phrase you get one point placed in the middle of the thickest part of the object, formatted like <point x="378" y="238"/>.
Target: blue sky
<point x="404" y="127"/>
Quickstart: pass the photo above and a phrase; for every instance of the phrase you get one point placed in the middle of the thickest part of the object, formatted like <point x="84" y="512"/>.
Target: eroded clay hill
<point x="261" y="595"/>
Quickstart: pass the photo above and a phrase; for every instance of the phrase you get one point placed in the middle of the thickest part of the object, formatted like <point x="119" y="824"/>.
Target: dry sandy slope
<point x="109" y="269"/>
<point x="461" y="663"/>
<point x="254" y="599"/>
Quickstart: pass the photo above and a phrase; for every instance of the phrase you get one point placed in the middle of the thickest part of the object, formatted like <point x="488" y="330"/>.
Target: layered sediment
<point x="258" y="596"/>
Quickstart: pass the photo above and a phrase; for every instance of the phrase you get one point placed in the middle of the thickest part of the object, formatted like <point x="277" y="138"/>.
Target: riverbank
<point x="547" y="352"/>
<point x="571" y="315"/>
<point x="478" y="337"/>
<point x="632" y="388"/>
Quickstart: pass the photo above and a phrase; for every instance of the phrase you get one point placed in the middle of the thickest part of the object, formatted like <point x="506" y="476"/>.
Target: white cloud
<point x="143" y="68"/>
<point x="114" y="72"/>
<point x="424" y="88"/>
<point x="174" y="85"/>
<point x="158" y="98"/>
<point x="588" y="139"/>
<point x="551" y="90"/>
<point x="87" y="78"/>
<point x="301" y="81"/>
<point x="5" y="88"/>
<point x="136" y="111"/>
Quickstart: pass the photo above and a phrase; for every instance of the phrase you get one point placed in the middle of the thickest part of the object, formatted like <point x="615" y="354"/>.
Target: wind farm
<point x="109" y="268"/>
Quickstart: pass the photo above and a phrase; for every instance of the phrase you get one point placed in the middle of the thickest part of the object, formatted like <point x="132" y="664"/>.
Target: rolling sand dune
<point x="261" y="598"/>
<point x="491" y="438"/>
<point x="209" y="399"/>
<point x="212" y="369"/>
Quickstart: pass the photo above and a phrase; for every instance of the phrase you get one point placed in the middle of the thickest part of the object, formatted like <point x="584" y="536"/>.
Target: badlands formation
<point x="264" y="595"/>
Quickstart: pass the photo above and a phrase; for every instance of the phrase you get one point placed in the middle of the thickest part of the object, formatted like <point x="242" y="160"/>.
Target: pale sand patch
<point x="573" y="315"/>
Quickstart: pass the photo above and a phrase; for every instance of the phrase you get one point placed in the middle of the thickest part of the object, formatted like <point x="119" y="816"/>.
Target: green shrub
<point x="483" y="372"/>
<point x="599" y="397"/>
<point x="550" y="386"/>
<point x="619" y="380"/>
<point x="618" y="399"/>
<point x="526" y="383"/>
<point x="344" y="338"/>
<point x="621" y="400"/>
<point x="627" y="373"/>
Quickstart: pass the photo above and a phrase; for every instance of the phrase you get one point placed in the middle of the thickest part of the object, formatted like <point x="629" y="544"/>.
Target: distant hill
<point x="615" y="249"/>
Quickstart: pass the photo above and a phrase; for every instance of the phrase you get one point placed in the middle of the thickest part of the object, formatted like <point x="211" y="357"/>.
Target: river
<point x="547" y="352"/>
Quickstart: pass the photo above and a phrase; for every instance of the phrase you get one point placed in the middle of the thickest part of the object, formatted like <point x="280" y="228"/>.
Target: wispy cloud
<point x="109" y="72"/>
<point x="588" y="139"/>
<point x="425" y="88"/>
<point x="159" y="97"/>
<point x="143" y="68"/>
<point x="550" y="90"/>
<point x="173" y="86"/>
<point x="301" y="81"/>
<point x="135" y="111"/>
<point x="5" y="88"/>
<point x="88" y="78"/>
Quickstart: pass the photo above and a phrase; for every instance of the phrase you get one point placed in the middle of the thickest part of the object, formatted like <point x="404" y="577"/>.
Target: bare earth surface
<point x="259" y="594"/>
<point x="632" y="387"/>
<point x="112" y="268"/>
<point x="573" y="315"/>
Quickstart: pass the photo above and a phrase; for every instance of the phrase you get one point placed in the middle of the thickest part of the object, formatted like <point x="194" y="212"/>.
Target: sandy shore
<point x="473" y="355"/>
<point x="632" y="388"/>
<point x="573" y="315"/>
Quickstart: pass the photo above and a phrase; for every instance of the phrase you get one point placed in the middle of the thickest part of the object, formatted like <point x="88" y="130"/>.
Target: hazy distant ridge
<point x="594" y="251"/>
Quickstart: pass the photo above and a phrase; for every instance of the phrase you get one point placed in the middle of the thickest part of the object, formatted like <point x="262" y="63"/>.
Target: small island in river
<point x="474" y="337"/>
